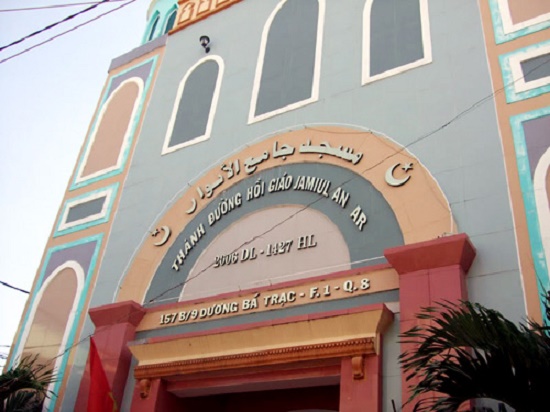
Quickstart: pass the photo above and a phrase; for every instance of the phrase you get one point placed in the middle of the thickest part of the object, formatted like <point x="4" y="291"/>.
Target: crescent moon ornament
<point x="392" y="181"/>
<point x="192" y="208"/>
<point x="165" y="237"/>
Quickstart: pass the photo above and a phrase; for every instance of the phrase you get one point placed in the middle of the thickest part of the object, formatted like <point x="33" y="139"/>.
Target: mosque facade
<point x="269" y="191"/>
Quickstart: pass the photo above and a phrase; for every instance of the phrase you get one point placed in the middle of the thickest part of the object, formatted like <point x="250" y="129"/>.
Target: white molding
<point x="520" y="85"/>
<point x="166" y="148"/>
<point x="125" y="140"/>
<point x="426" y="45"/>
<point x="508" y="26"/>
<point x="107" y="193"/>
<point x="260" y="63"/>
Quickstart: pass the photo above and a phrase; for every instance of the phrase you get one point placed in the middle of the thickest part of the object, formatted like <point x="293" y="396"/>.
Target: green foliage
<point x="25" y="386"/>
<point x="465" y="352"/>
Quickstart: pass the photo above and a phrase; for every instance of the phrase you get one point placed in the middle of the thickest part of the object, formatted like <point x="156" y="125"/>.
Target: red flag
<point x="101" y="397"/>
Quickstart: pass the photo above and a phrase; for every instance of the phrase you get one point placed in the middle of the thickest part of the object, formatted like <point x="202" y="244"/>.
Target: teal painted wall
<point x="432" y="110"/>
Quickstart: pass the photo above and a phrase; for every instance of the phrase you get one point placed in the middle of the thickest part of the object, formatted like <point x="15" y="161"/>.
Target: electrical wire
<point x="417" y="140"/>
<point x="472" y="107"/>
<point x="51" y="26"/>
<point x="55" y="6"/>
<point x="66" y="32"/>
<point x="403" y="148"/>
<point x="13" y="287"/>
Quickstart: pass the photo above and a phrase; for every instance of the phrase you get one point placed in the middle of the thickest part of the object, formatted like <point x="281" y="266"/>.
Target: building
<point x="270" y="190"/>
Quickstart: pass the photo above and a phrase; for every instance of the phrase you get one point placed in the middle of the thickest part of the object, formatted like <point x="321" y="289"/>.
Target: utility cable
<point x="417" y="140"/>
<point x="51" y="26"/>
<point x="55" y="6"/>
<point x="66" y="32"/>
<point x="13" y="287"/>
<point x="472" y="107"/>
<point x="403" y="148"/>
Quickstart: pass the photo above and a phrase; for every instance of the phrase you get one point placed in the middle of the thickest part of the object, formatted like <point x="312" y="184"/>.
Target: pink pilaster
<point x="361" y="384"/>
<point x="115" y="325"/>
<point x="429" y="272"/>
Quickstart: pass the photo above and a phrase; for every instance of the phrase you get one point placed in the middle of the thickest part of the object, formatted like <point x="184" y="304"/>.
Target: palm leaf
<point x="25" y="385"/>
<point x="465" y="351"/>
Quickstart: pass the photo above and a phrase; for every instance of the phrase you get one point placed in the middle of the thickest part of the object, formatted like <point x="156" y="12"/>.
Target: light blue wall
<point x="435" y="110"/>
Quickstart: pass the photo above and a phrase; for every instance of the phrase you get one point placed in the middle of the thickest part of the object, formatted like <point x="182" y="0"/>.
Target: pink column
<point x="429" y="272"/>
<point x="361" y="384"/>
<point x="115" y="325"/>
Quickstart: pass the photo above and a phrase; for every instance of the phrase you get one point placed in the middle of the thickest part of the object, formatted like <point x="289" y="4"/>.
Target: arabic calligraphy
<point x="251" y="164"/>
<point x="324" y="148"/>
<point x="233" y="167"/>
<point x="283" y="152"/>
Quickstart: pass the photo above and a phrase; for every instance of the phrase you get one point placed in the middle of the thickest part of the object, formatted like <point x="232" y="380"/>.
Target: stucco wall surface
<point x="433" y="110"/>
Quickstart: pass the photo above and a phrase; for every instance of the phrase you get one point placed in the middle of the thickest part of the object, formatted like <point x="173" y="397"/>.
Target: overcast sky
<point x="47" y="99"/>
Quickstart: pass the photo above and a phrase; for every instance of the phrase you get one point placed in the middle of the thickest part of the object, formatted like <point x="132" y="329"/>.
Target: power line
<point x="54" y="6"/>
<point x="471" y="108"/>
<point x="51" y="26"/>
<point x="417" y="140"/>
<point x="466" y="111"/>
<point x="66" y="32"/>
<point x="13" y="287"/>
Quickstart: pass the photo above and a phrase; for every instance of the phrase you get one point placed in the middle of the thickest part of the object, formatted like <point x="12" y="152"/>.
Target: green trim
<point x="99" y="220"/>
<point x="133" y="127"/>
<point x="78" y="313"/>
<point x="165" y="28"/>
<point x="509" y="82"/>
<point x="528" y="192"/>
<point x="153" y="28"/>
<point x="498" y="26"/>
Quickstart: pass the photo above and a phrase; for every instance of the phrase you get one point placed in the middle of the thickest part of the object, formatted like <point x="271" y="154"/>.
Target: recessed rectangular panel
<point x="86" y="209"/>
<point x="536" y="68"/>
<point x="526" y="71"/>
<point x="517" y="18"/>
<point x="525" y="10"/>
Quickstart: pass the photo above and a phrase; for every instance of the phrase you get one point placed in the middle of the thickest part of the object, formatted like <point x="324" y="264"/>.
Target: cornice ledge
<point x="353" y="347"/>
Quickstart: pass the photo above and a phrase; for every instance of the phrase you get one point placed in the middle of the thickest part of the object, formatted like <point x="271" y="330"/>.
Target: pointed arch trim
<point x="114" y="82"/>
<point x="44" y="279"/>
<point x="426" y="45"/>
<point x="151" y="28"/>
<point x="252" y="117"/>
<point x="532" y="192"/>
<point x="126" y="138"/>
<point x="167" y="147"/>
